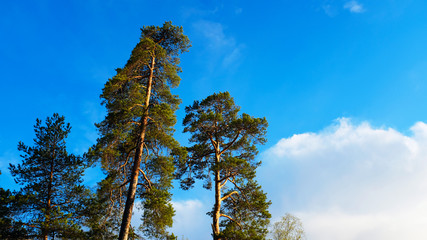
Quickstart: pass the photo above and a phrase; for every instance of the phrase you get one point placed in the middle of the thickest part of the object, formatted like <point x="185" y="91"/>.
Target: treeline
<point x="140" y="158"/>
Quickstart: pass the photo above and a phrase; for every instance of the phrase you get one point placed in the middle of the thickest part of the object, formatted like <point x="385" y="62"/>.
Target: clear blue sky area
<point x="301" y="64"/>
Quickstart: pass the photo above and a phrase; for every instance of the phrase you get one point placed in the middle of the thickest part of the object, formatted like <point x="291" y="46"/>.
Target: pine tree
<point x="137" y="133"/>
<point x="52" y="183"/>
<point x="223" y="154"/>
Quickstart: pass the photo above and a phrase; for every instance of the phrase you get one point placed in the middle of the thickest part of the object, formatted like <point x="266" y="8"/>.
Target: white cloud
<point x="351" y="181"/>
<point x="354" y="7"/>
<point x="191" y="220"/>
<point x="337" y="224"/>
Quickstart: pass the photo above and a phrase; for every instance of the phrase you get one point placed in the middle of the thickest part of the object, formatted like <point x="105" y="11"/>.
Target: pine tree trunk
<point x="127" y="214"/>
<point x="217" y="206"/>
<point x="45" y="232"/>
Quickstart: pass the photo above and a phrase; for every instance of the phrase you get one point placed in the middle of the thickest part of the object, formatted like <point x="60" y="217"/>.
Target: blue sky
<point x="335" y="71"/>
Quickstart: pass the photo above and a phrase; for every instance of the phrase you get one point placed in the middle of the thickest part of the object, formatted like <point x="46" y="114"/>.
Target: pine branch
<point x="229" y="195"/>
<point x="226" y="177"/>
<point x="136" y="105"/>
<point x="231" y="143"/>
<point x="223" y="215"/>
<point x="60" y="204"/>
<point x="30" y="225"/>
<point x="240" y="189"/>
<point x="223" y="184"/>
<point x="127" y="159"/>
<point x="144" y="185"/>
<point x="146" y="179"/>
<point x="123" y="184"/>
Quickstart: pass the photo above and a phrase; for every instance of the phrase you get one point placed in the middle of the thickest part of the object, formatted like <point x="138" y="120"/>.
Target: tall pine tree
<point x="223" y="155"/>
<point x="137" y="133"/>
<point x="52" y="192"/>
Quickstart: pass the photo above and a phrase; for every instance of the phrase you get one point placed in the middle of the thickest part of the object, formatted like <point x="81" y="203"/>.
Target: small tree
<point x="51" y="180"/>
<point x="223" y="154"/>
<point x="288" y="228"/>
<point x="137" y="133"/>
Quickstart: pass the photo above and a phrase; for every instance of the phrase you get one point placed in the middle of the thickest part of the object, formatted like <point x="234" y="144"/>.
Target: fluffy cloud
<point x="191" y="220"/>
<point x="354" y="7"/>
<point x="351" y="181"/>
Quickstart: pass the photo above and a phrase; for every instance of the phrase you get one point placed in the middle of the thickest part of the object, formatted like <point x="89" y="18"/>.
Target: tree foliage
<point x="223" y="155"/>
<point x="137" y="133"/>
<point x="9" y="227"/>
<point x="50" y="201"/>
<point x="288" y="228"/>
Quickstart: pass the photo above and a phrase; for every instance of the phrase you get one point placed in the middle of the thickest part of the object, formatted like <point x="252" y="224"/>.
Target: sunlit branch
<point x="229" y="195"/>
<point x="223" y="215"/>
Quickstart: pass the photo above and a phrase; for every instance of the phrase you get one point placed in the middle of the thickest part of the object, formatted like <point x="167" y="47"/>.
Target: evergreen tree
<point x="223" y="154"/>
<point x="137" y="133"/>
<point x="50" y="199"/>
